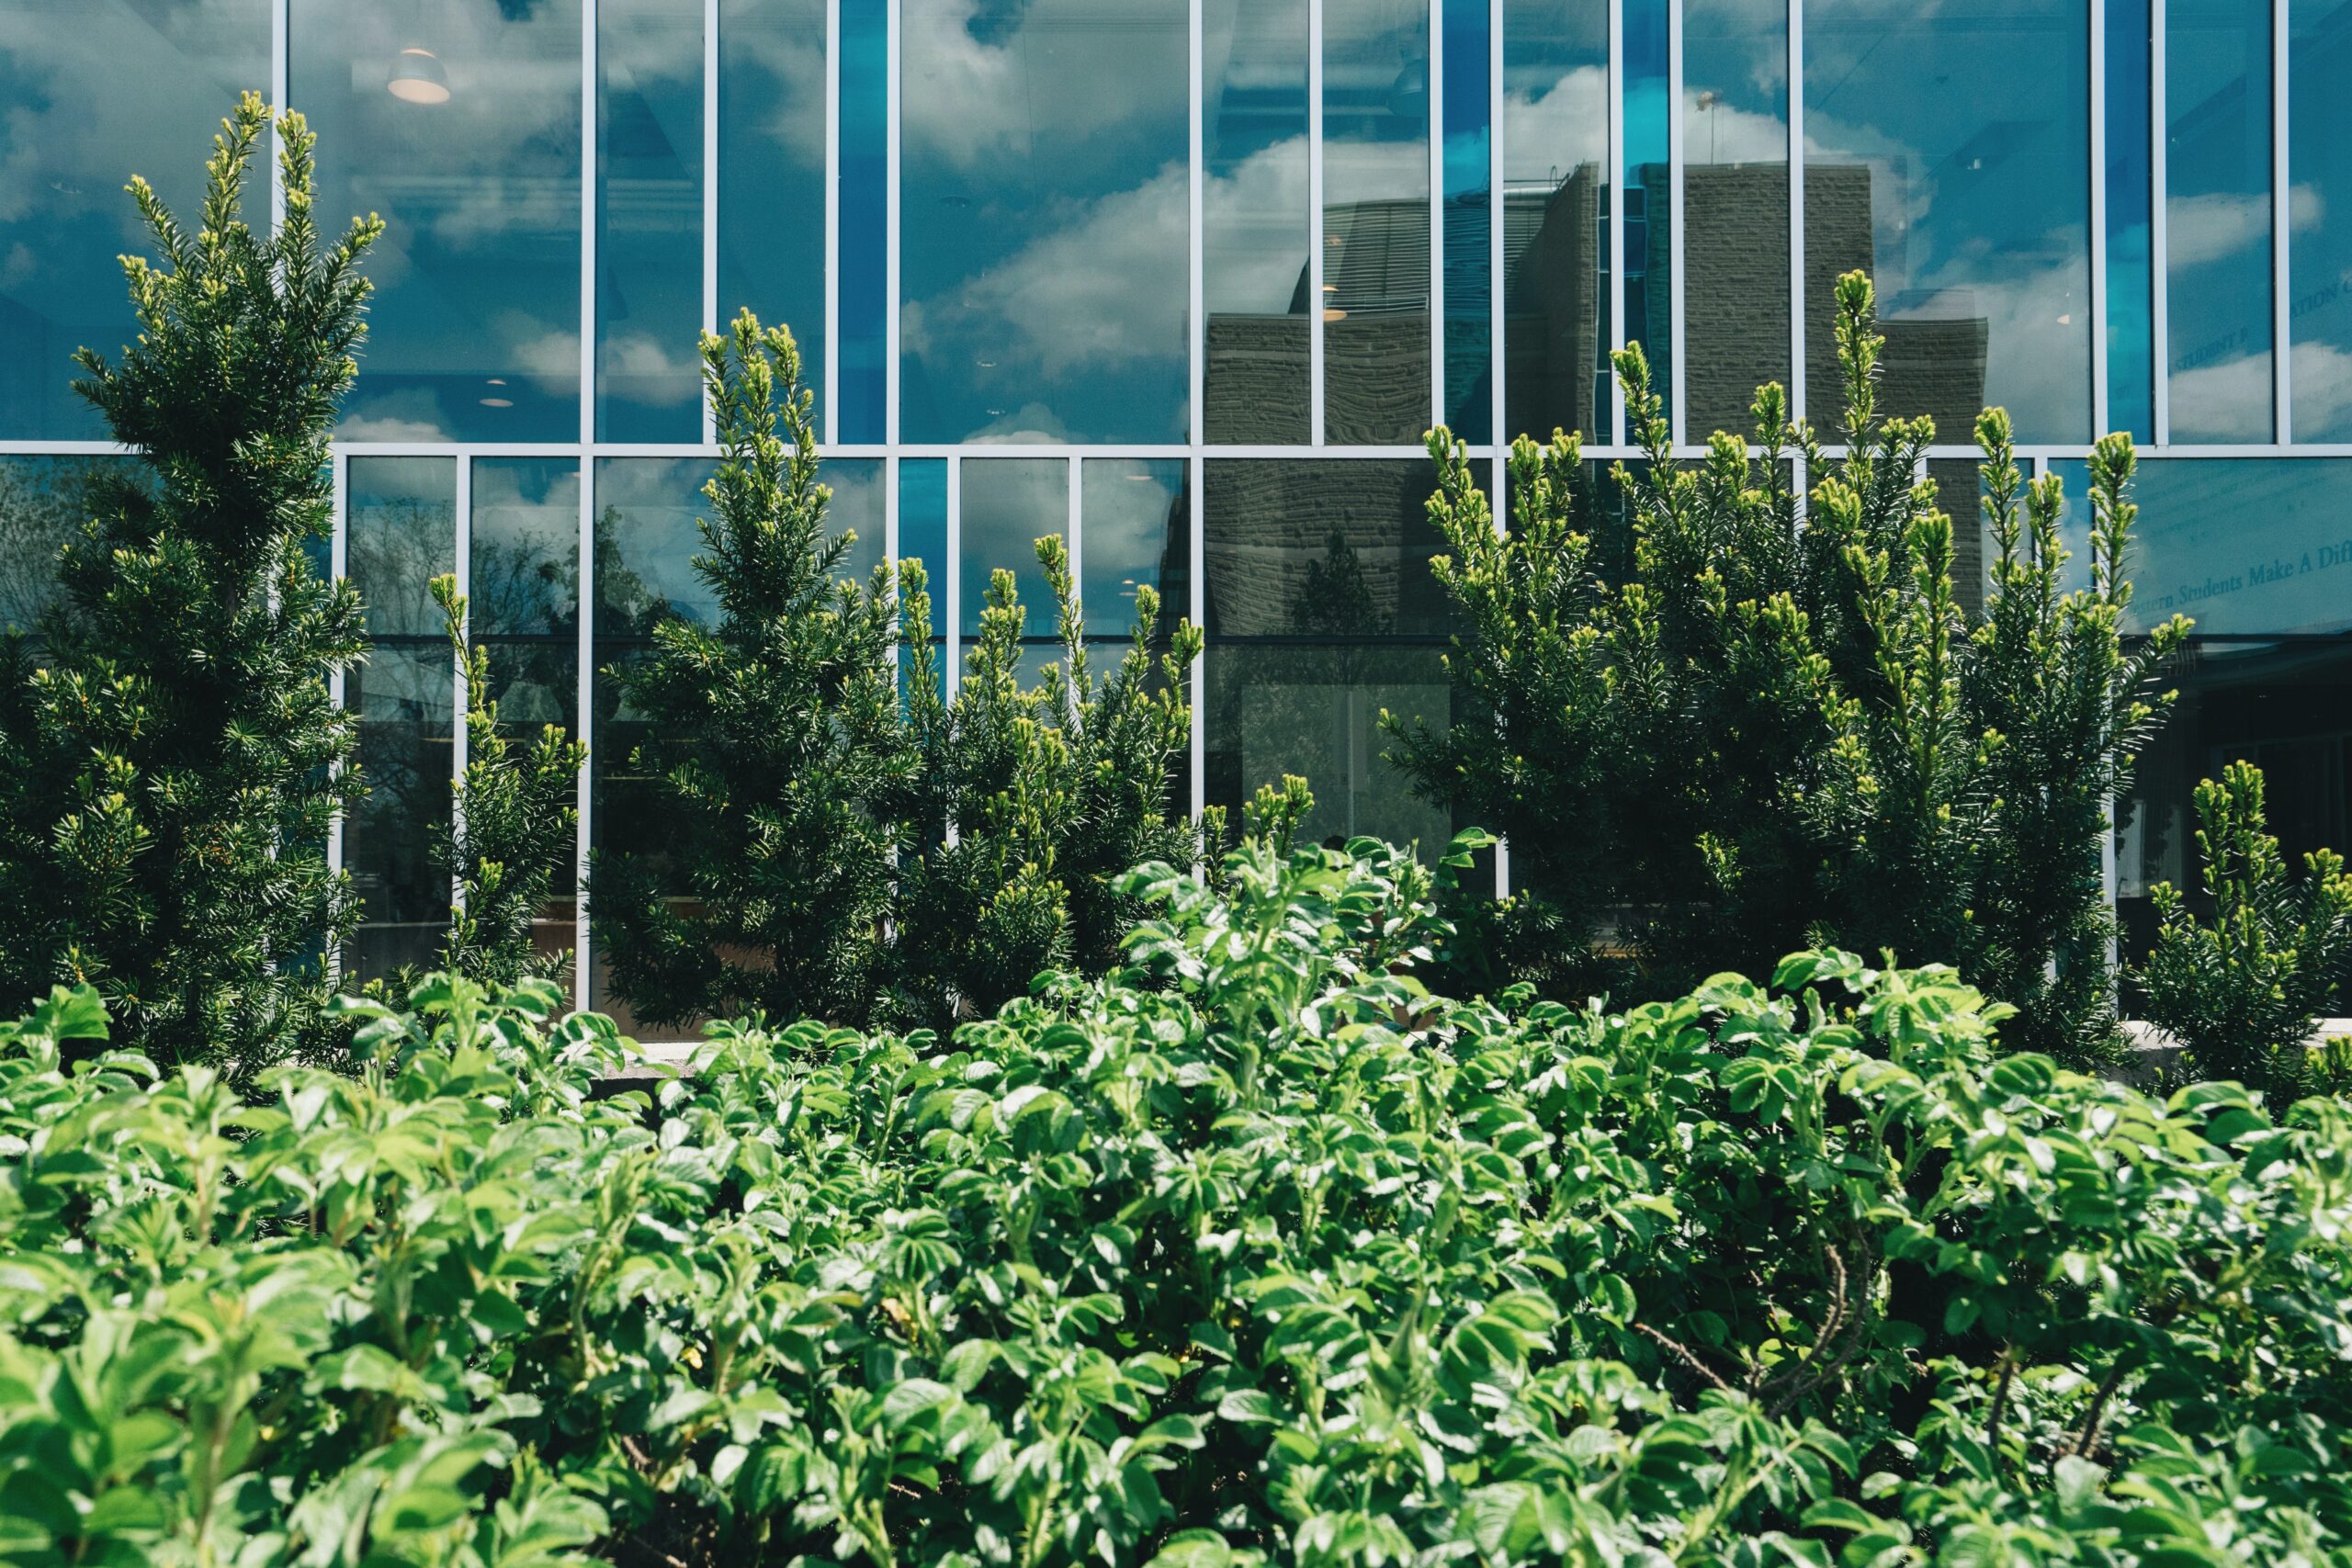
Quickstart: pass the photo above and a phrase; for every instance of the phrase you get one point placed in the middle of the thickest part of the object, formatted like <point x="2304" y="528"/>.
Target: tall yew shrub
<point x="1775" y="726"/>
<point x="170" y="758"/>
<point x="777" y="744"/>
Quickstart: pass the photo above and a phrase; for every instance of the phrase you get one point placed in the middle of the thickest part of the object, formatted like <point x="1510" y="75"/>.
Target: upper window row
<point x="1045" y="231"/>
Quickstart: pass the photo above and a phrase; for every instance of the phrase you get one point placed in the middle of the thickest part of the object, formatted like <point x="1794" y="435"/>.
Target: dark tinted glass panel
<point x="1734" y="209"/>
<point x="2318" y="165"/>
<point x="2245" y="547"/>
<point x="44" y="501"/>
<point x="1135" y="529"/>
<point x="1255" y="228"/>
<point x="648" y="220"/>
<point x="400" y="526"/>
<point x="646" y="542"/>
<point x="1555" y="217"/>
<point x="2284" y="706"/>
<point x="2130" y="345"/>
<point x="96" y="92"/>
<point x="1469" y="398"/>
<point x="1375" y="220"/>
<point x="1948" y="154"/>
<point x="922" y="528"/>
<point x="771" y="170"/>
<point x="865" y="294"/>
<point x="1045" y="219"/>
<point x="2217" y="219"/>
<point x="458" y="121"/>
<point x="1321" y="613"/>
<point x="526" y="607"/>
<point x="1008" y="502"/>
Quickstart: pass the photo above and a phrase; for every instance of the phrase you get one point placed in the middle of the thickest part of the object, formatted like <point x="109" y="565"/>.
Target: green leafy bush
<point x="171" y="757"/>
<point x="2241" y="990"/>
<point x="1257" y="1251"/>
<point x="1773" y="726"/>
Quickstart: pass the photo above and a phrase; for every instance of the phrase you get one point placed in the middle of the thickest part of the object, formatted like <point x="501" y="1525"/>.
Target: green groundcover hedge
<point x="1256" y="1251"/>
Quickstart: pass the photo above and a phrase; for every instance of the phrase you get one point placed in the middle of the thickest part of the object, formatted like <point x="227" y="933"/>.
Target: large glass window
<point x="1555" y="218"/>
<point x="1468" y="162"/>
<point x="772" y="170"/>
<point x="1647" y="239"/>
<point x="1007" y="505"/>
<point x="1734" y="209"/>
<point x="524" y="607"/>
<point x="2319" y="211"/>
<point x="864" y="220"/>
<point x="2217" y="219"/>
<point x="458" y="122"/>
<point x="1135" y="530"/>
<point x="2130" y="280"/>
<point x="2244" y="547"/>
<point x="1948" y="155"/>
<point x="400" y="532"/>
<point x="1322" y="613"/>
<point x="1377" y="272"/>
<point x="95" y="92"/>
<point x="43" y="502"/>
<point x="1254" y="222"/>
<point x="1045" y="220"/>
<point x="648" y="220"/>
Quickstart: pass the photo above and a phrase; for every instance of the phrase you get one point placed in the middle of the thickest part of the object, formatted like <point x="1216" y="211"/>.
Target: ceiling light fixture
<point x="417" y="78"/>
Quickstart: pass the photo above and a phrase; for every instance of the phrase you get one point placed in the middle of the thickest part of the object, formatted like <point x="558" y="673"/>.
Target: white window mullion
<point x="1315" y="221"/>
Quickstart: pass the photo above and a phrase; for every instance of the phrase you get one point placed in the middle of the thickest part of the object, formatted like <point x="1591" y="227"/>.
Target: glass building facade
<point x="1186" y="280"/>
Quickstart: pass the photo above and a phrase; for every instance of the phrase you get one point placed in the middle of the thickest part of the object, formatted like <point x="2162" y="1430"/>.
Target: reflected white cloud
<point x="971" y="100"/>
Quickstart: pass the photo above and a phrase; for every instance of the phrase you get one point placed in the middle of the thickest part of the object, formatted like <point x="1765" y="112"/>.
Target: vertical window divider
<point x="338" y="567"/>
<point x="709" y="199"/>
<point x="1437" y="210"/>
<point x="2098" y="217"/>
<point x="2282" y="199"/>
<point x="588" y="312"/>
<point x="584" y="611"/>
<point x="1196" y="593"/>
<point x="1074" y="535"/>
<point x="951" y="572"/>
<point x="1674" y="152"/>
<point x="1314" y="223"/>
<point x="280" y="86"/>
<point x="1196" y="428"/>
<point x="461" y="530"/>
<point x="2159" y="263"/>
<point x="1614" y="185"/>
<point x="1796" y="219"/>
<point x="892" y="49"/>
<point x="830" y="426"/>
<point x="583" y="606"/>
<point x="890" y="553"/>
<point x="1498" y="357"/>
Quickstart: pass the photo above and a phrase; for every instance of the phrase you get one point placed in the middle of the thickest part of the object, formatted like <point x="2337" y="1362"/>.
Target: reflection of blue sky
<point x="526" y="560"/>
<point x="2131" y="298"/>
<point x="1130" y="509"/>
<point x="649" y="221"/>
<point x="1007" y="503"/>
<point x="771" y="170"/>
<point x="2319" y="158"/>
<point x="91" y="94"/>
<point x="477" y="300"/>
<point x="922" y="528"/>
<point x="1044" y="225"/>
<point x="1973" y="122"/>
<point x="2217" y="219"/>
